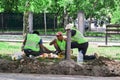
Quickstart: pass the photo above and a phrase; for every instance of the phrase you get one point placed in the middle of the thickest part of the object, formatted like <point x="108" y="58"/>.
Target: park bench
<point x="111" y="29"/>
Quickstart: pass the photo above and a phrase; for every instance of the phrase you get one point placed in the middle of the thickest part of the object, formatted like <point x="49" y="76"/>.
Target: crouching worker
<point x="59" y="43"/>
<point x="80" y="42"/>
<point x="33" y="45"/>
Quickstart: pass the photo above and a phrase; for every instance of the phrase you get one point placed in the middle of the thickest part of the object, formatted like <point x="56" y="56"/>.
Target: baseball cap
<point x="58" y="33"/>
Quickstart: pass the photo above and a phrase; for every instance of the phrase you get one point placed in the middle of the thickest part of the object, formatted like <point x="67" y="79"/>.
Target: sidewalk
<point x="20" y="76"/>
<point x="100" y="41"/>
<point x="102" y="44"/>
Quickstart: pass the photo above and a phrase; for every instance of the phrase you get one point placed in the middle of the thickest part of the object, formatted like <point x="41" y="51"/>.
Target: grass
<point x="110" y="52"/>
<point x="7" y="48"/>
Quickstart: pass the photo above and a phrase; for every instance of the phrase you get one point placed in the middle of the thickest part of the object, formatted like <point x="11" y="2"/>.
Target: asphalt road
<point x="16" y="76"/>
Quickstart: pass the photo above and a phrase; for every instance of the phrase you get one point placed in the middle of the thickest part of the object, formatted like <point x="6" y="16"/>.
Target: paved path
<point x="94" y="40"/>
<point x="13" y="76"/>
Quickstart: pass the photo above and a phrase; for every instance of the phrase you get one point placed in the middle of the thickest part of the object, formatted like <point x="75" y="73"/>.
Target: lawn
<point x="9" y="47"/>
<point x="111" y="52"/>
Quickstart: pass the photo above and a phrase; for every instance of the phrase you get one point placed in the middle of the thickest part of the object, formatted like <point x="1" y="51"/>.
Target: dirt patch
<point x="98" y="67"/>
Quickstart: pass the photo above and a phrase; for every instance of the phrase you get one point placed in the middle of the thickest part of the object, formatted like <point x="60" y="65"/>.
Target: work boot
<point x="55" y="52"/>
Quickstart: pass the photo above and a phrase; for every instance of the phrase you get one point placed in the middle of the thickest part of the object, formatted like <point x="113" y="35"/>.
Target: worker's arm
<point x="52" y="42"/>
<point x="43" y="48"/>
<point x="73" y="32"/>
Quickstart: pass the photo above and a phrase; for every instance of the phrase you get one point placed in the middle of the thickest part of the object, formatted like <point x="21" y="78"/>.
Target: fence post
<point x="2" y="19"/>
<point x="106" y="38"/>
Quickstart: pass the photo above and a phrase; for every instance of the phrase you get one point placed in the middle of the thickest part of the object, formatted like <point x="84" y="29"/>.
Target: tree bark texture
<point x="81" y="22"/>
<point x="25" y="23"/>
<point x="68" y="56"/>
<point x="30" y="19"/>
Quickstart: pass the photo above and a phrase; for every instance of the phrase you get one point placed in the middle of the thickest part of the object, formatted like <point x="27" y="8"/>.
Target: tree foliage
<point x="9" y="5"/>
<point x="91" y="8"/>
<point x="115" y="13"/>
<point x="34" y="5"/>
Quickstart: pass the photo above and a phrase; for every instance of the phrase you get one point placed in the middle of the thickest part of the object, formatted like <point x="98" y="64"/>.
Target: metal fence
<point x="13" y="22"/>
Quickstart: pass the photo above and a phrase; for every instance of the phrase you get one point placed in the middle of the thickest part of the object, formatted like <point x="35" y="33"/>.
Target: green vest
<point x="32" y="42"/>
<point x="78" y="37"/>
<point x="61" y="44"/>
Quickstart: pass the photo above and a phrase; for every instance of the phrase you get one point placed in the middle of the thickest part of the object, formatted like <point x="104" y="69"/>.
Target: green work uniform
<point x="32" y="42"/>
<point x="78" y="37"/>
<point x="61" y="44"/>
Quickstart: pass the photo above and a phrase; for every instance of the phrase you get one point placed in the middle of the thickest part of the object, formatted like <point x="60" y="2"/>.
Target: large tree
<point x="30" y="6"/>
<point x="64" y="8"/>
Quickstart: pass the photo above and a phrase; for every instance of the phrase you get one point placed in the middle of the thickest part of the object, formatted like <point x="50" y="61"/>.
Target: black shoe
<point x="56" y="52"/>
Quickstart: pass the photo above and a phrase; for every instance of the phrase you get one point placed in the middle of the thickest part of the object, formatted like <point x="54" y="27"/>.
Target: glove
<point x="69" y="26"/>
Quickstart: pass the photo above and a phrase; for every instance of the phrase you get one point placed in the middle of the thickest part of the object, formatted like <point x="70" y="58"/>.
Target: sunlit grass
<point x="111" y="52"/>
<point x="9" y="47"/>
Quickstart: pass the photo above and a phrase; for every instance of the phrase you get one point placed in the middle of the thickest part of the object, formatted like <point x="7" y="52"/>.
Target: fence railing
<point x="12" y="23"/>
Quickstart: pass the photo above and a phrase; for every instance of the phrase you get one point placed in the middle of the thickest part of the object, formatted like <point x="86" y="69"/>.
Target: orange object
<point x="45" y="55"/>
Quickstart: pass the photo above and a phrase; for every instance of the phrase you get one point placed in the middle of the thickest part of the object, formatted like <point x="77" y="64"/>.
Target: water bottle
<point x="80" y="57"/>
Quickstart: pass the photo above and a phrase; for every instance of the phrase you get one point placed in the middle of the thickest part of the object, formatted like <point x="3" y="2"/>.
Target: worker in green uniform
<point x="80" y="42"/>
<point x="33" y="45"/>
<point x="59" y="43"/>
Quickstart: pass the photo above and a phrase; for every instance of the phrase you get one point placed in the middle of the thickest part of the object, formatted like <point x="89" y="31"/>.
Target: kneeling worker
<point x="33" y="45"/>
<point x="80" y="42"/>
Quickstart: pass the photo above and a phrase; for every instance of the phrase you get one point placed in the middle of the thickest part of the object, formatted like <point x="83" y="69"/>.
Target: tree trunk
<point x="81" y="22"/>
<point x="30" y="19"/>
<point x="25" y="20"/>
<point x="45" y="23"/>
<point x="25" y="23"/>
<point x="90" y="23"/>
<point x="65" y="17"/>
<point x="68" y="56"/>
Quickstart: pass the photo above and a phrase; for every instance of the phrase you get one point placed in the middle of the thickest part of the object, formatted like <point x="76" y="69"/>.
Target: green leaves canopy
<point x="93" y="8"/>
<point x="34" y="5"/>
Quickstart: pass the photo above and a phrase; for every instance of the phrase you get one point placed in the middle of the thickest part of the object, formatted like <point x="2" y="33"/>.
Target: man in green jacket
<point x="59" y="43"/>
<point x="80" y="42"/>
<point x="33" y="45"/>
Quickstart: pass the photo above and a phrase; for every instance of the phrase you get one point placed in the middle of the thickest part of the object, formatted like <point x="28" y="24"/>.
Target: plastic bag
<point x="17" y="56"/>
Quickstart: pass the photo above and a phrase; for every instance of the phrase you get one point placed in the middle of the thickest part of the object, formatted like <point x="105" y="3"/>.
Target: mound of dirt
<point x="98" y="67"/>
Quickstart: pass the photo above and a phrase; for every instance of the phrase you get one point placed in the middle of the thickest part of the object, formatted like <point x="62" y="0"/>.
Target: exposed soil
<point x="98" y="67"/>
